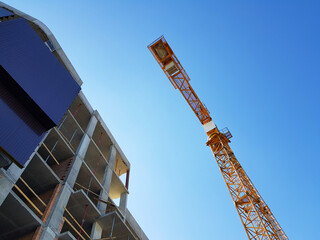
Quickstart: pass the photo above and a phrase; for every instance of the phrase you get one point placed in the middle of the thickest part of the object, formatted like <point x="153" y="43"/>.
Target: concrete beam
<point x="135" y="226"/>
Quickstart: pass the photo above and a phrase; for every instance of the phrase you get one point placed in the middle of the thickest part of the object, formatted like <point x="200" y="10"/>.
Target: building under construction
<point x="66" y="171"/>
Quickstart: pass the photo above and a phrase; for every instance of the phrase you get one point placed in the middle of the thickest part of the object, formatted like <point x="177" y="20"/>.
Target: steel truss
<point x="255" y="215"/>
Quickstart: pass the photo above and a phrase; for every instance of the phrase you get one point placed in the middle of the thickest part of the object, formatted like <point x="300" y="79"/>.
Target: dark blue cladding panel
<point x="20" y="132"/>
<point x="35" y="89"/>
<point x="38" y="72"/>
<point x="5" y="13"/>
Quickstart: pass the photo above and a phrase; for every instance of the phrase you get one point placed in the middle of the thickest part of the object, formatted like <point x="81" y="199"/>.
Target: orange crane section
<point x="178" y="77"/>
<point x="256" y="217"/>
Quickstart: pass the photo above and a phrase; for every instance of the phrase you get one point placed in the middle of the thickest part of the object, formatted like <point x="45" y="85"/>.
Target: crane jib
<point x="178" y="77"/>
<point x="256" y="217"/>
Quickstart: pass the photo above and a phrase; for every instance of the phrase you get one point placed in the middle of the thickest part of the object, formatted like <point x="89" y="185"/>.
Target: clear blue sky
<point x="255" y="64"/>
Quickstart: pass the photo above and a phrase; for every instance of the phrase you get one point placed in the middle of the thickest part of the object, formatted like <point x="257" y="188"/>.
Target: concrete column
<point x="47" y="233"/>
<point x="81" y="152"/>
<point x="106" y="183"/>
<point x="96" y="232"/>
<point x="54" y="220"/>
<point x="92" y="125"/>
<point x="82" y="149"/>
<point x="74" y="171"/>
<point x="77" y="161"/>
<point x="123" y="202"/>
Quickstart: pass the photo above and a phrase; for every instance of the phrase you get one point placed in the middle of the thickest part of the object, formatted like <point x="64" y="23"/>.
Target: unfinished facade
<point x="67" y="187"/>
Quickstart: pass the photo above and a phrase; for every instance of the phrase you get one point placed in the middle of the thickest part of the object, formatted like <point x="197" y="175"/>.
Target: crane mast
<point x="256" y="217"/>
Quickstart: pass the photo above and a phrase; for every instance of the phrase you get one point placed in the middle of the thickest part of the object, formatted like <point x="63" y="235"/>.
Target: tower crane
<point x="256" y="217"/>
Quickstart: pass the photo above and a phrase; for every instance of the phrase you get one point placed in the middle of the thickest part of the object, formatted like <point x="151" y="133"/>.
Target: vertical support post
<point x="63" y="121"/>
<point x="83" y="220"/>
<point x="77" y="110"/>
<point x="74" y="133"/>
<point x="115" y="168"/>
<point x="99" y="139"/>
<point x="52" y="149"/>
<point x="112" y="227"/>
<point x="127" y="179"/>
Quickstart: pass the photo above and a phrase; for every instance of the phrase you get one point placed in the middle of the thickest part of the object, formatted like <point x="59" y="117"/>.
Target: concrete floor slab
<point x="61" y="152"/>
<point x="78" y="201"/>
<point x="82" y="114"/>
<point x="101" y="138"/>
<point x="71" y="129"/>
<point x="38" y="169"/>
<point x="120" y="229"/>
<point x="95" y="162"/>
<point x="16" y="218"/>
<point x="117" y="187"/>
<point x="84" y="178"/>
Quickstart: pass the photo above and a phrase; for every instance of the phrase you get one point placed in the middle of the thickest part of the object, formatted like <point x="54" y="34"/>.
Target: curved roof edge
<point x="51" y="37"/>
